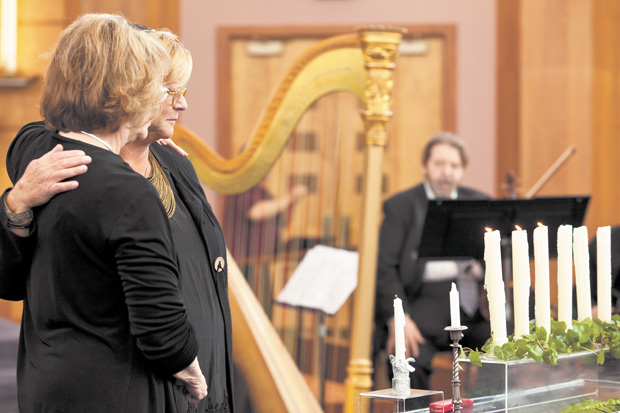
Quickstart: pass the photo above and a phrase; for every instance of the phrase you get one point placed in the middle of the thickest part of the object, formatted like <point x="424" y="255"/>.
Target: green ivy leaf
<point x="541" y="334"/>
<point x="535" y="353"/>
<point x="487" y="346"/>
<point x="580" y="330"/>
<point x="589" y="405"/>
<point x="499" y="353"/>
<point x="600" y="359"/>
<point x="557" y="343"/>
<point x="573" y="339"/>
<point x="557" y="328"/>
<point x="589" y="345"/>
<point x="540" y="345"/>
<point x="509" y="348"/>
<point x="522" y="348"/>
<point x="474" y="357"/>
<point x="597" y="329"/>
<point x="550" y="357"/>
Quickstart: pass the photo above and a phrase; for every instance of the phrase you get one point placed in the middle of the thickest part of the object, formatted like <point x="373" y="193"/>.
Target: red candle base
<point x="447" y="406"/>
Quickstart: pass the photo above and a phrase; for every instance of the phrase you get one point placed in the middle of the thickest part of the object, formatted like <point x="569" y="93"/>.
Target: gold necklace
<point x="162" y="185"/>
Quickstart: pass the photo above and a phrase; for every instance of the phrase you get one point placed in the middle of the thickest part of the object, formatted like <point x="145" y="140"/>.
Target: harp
<point x="276" y="347"/>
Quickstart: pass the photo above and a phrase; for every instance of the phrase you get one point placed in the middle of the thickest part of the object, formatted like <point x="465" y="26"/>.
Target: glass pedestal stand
<point x="610" y="369"/>
<point x="527" y="386"/>
<point x="385" y="401"/>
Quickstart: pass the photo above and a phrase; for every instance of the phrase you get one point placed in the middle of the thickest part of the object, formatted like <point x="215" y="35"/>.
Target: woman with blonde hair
<point x="198" y="240"/>
<point x="104" y="328"/>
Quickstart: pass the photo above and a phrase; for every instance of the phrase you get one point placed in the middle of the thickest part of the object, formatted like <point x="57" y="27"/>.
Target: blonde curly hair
<point x="180" y="58"/>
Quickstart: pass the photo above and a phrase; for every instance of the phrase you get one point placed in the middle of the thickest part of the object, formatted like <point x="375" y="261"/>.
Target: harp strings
<point x="321" y="154"/>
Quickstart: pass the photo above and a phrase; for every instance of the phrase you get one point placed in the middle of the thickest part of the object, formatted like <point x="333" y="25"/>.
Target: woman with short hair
<point x="104" y="327"/>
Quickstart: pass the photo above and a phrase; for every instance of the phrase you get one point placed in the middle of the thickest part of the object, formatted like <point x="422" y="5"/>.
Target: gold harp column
<point x="380" y="48"/>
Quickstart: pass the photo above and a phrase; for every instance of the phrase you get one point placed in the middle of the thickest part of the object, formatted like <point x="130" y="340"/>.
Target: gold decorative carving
<point x="380" y="49"/>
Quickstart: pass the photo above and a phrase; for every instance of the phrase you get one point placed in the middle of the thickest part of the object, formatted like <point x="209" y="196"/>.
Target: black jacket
<point x="104" y="326"/>
<point x="399" y="271"/>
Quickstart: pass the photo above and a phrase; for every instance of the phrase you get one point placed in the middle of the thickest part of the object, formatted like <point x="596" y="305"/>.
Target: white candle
<point x="565" y="274"/>
<point x="521" y="282"/>
<point x="582" y="272"/>
<point x="455" y="307"/>
<point x="603" y="273"/>
<point x="542" y="295"/>
<point x="494" y="284"/>
<point x="399" y="329"/>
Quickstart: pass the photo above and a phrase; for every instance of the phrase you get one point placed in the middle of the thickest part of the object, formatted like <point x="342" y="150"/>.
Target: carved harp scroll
<point x="358" y="63"/>
<point x="335" y="64"/>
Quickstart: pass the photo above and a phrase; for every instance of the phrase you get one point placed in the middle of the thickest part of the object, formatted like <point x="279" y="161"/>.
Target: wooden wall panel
<point x="605" y="209"/>
<point x="555" y="94"/>
<point x="248" y="96"/>
<point x="564" y="89"/>
<point x="508" y="93"/>
<point x="152" y="13"/>
<point x="420" y="111"/>
<point x="559" y="85"/>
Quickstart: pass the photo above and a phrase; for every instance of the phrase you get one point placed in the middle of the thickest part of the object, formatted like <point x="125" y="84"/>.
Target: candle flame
<point x="518" y="228"/>
<point x="488" y="229"/>
<point x="540" y="224"/>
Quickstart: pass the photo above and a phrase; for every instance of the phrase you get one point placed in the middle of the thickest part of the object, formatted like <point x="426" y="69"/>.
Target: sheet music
<point x="323" y="280"/>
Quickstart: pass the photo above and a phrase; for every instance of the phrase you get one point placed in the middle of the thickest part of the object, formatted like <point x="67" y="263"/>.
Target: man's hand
<point x="413" y="337"/>
<point x="43" y="178"/>
<point x="170" y="142"/>
<point x="299" y="192"/>
<point x="192" y="382"/>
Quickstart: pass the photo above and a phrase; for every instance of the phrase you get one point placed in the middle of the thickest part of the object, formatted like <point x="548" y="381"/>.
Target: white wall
<point x="476" y="31"/>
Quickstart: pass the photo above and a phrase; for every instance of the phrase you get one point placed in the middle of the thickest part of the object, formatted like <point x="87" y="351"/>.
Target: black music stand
<point x="455" y="229"/>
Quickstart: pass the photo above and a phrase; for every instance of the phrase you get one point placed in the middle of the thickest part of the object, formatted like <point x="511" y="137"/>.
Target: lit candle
<point x="582" y="272"/>
<point x="565" y="274"/>
<point x="399" y="329"/>
<point x="8" y="36"/>
<point x="455" y="307"/>
<point x="542" y="295"/>
<point x="494" y="284"/>
<point x="521" y="282"/>
<point x="603" y="273"/>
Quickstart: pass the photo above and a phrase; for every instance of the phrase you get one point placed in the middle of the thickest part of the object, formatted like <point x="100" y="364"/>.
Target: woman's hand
<point x="192" y="383"/>
<point x="45" y="177"/>
<point x="170" y="142"/>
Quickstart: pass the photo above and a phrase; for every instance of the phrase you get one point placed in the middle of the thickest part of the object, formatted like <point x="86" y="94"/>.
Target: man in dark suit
<point x="424" y="287"/>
